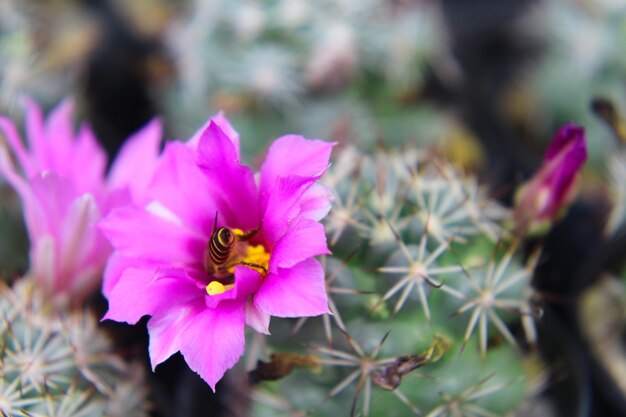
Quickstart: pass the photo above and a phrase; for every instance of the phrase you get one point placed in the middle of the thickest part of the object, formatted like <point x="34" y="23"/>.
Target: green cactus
<point x="424" y="274"/>
<point x="60" y="364"/>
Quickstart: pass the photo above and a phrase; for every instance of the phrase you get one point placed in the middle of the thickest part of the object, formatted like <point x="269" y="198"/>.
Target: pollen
<point x="257" y="255"/>
<point x="216" y="287"/>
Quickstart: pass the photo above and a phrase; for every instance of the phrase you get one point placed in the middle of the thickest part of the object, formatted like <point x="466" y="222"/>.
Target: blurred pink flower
<point x="544" y="197"/>
<point x="163" y="267"/>
<point x="60" y="179"/>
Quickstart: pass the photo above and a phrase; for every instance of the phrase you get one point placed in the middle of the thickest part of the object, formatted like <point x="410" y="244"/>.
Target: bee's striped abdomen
<point x="221" y="246"/>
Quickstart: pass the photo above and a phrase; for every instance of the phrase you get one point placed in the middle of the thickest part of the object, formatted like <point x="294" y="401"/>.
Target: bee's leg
<point x="254" y="266"/>
<point x="250" y="234"/>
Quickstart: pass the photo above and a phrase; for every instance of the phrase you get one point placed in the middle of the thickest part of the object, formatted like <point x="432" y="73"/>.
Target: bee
<point x="223" y="250"/>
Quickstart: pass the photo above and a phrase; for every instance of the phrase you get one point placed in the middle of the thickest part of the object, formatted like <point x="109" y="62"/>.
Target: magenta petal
<point x="232" y="185"/>
<point x="214" y="340"/>
<point x="50" y="211"/>
<point x="137" y="160"/>
<point x="247" y="281"/>
<point x="67" y="251"/>
<point x="115" y="198"/>
<point x="35" y="216"/>
<point x="88" y="177"/>
<point x="15" y="142"/>
<point x="568" y="135"/>
<point x="282" y="206"/>
<point x="54" y="196"/>
<point x="59" y="124"/>
<point x="228" y="129"/>
<point x="35" y="132"/>
<point x="166" y="329"/>
<point x="304" y="239"/>
<point x="52" y="147"/>
<point x="565" y="157"/>
<point x="82" y="248"/>
<point x="294" y="155"/>
<point x="142" y="292"/>
<point x="178" y="181"/>
<point x="567" y="152"/>
<point x="223" y="124"/>
<point x="316" y="202"/>
<point x="259" y="320"/>
<point x="295" y="292"/>
<point x="560" y="182"/>
<point x="136" y="233"/>
<point x="79" y="230"/>
<point x="57" y="147"/>
<point x="114" y="268"/>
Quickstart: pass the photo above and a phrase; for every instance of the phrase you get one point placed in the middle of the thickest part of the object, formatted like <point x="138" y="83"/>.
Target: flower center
<point x="256" y="257"/>
<point x="252" y="256"/>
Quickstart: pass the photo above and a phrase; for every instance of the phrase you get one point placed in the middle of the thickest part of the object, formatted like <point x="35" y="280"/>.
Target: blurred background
<point x="485" y="83"/>
<point x="370" y="70"/>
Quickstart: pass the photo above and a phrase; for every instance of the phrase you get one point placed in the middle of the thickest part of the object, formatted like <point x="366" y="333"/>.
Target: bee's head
<point x="225" y="236"/>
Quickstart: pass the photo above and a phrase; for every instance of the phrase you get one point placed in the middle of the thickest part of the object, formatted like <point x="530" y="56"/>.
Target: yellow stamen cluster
<point x="257" y="255"/>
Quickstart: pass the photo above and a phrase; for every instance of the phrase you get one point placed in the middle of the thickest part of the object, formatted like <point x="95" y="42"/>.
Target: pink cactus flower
<point x="219" y="248"/>
<point x="542" y="199"/>
<point x="60" y="179"/>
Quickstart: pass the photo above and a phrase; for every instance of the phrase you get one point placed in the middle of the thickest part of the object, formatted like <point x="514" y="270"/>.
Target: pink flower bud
<point x="543" y="198"/>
